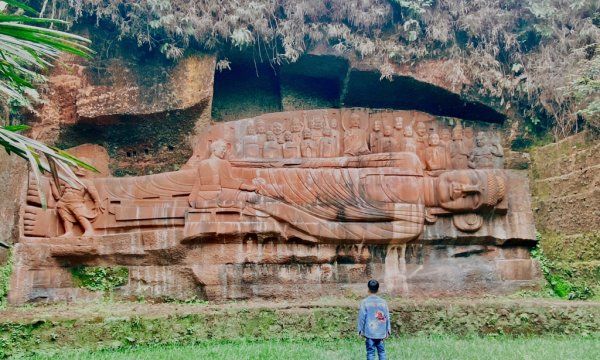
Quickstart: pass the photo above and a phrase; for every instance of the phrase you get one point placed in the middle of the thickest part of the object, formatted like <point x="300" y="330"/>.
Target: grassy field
<point x="543" y="348"/>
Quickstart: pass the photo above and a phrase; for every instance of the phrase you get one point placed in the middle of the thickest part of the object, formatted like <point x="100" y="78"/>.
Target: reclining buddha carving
<point x="298" y="175"/>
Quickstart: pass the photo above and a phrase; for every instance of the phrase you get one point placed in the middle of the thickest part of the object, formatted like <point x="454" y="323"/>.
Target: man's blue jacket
<point x="374" y="318"/>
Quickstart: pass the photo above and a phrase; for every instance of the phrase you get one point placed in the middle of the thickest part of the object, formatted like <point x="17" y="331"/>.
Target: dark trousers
<point x="373" y="344"/>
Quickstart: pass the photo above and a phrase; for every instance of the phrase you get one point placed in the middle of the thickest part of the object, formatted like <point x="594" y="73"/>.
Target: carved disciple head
<point x="326" y="132"/>
<point x="445" y="135"/>
<point x="260" y="127"/>
<point x="377" y="126"/>
<point x="270" y="136"/>
<point x="398" y="123"/>
<point x="421" y="129"/>
<point x="333" y="124"/>
<point x="354" y="121"/>
<point x="387" y="130"/>
<point x="481" y="139"/>
<point x="316" y="123"/>
<point x="408" y="131"/>
<point x="287" y="136"/>
<point x="218" y="148"/>
<point x="307" y="134"/>
<point x="457" y="133"/>
<point x="277" y="128"/>
<point x="250" y="129"/>
<point x="434" y="139"/>
<point x="296" y="125"/>
<point x="469" y="132"/>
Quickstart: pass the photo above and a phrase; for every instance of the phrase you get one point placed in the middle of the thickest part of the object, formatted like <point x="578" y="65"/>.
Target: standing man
<point x="374" y="322"/>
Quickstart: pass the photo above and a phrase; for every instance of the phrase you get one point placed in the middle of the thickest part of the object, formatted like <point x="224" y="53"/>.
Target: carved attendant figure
<point x="409" y="142"/>
<point x="316" y="126"/>
<point x="435" y="155"/>
<point x="216" y="186"/>
<point x="468" y="139"/>
<point x="388" y="143"/>
<point x="355" y="138"/>
<point x="482" y="156"/>
<point x="291" y="148"/>
<point x="71" y="206"/>
<point x="278" y="132"/>
<point x="446" y="143"/>
<point x="272" y="149"/>
<point x="422" y="140"/>
<point x="251" y="146"/>
<point x="327" y="148"/>
<point x="458" y="150"/>
<point x="375" y="137"/>
<point x="308" y="147"/>
<point x="399" y="133"/>
<point x="261" y="134"/>
<point x="335" y="135"/>
<point x="297" y="127"/>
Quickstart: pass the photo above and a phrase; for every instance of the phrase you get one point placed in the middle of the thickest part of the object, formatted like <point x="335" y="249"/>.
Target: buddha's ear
<point x="229" y="147"/>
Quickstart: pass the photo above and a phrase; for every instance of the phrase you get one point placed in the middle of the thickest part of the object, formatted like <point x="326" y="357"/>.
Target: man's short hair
<point x="373" y="286"/>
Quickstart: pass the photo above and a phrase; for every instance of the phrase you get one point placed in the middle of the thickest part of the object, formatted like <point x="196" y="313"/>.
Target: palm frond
<point x="26" y="48"/>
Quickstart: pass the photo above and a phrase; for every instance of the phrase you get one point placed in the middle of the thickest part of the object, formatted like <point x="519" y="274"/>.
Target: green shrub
<point x="98" y="278"/>
<point x="5" y="271"/>
<point x="561" y="279"/>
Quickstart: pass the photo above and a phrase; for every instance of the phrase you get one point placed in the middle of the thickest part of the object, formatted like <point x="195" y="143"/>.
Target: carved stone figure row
<point x="320" y="138"/>
<point x="443" y="153"/>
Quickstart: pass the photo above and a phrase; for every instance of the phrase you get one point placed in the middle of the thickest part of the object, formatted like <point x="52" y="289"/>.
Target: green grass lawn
<point x="543" y="348"/>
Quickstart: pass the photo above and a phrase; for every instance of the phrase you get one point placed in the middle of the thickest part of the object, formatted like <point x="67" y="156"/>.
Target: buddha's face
<point x="459" y="191"/>
<point x="469" y="191"/>
<point x="327" y="132"/>
<point x="270" y="136"/>
<point x="287" y="136"/>
<point x="251" y="130"/>
<point x="408" y="131"/>
<point x="277" y="128"/>
<point x="434" y="139"/>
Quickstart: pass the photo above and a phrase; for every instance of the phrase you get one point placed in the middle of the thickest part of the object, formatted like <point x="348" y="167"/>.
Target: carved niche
<point x="375" y="180"/>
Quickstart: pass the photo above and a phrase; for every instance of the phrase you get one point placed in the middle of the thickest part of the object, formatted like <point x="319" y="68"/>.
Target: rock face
<point x="566" y="195"/>
<point x="324" y="199"/>
<point x="13" y="175"/>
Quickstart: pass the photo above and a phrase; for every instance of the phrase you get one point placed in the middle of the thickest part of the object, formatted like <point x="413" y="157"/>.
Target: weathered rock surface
<point x="13" y="177"/>
<point x="566" y="191"/>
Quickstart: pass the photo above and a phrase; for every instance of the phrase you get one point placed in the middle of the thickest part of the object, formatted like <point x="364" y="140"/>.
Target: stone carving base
<point x="223" y="268"/>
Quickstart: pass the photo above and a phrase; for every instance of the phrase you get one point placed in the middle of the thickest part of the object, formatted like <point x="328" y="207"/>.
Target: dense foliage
<point x="98" y="278"/>
<point x="537" y="58"/>
<point x="5" y="271"/>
